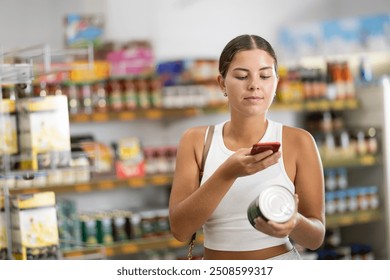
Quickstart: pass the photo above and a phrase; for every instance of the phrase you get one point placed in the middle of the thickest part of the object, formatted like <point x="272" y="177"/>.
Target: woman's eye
<point x="242" y="77"/>
<point x="265" y="77"/>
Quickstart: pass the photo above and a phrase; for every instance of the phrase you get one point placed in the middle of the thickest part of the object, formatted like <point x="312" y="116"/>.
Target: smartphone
<point x="262" y="147"/>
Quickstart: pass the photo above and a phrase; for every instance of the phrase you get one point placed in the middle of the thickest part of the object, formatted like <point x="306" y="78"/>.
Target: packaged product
<point x="130" y="158"/>
<point x="8" y="134"/>
<point x="34" y="226"/>
<point x="44" y="133"/>
<point x="3" y="231"/>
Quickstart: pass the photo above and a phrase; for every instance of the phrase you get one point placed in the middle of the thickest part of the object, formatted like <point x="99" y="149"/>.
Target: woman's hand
<point x="278" y="229"/>
<point x="242" y="163"/>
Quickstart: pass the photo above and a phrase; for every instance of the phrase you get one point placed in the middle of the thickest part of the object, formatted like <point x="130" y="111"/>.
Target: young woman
<point x="232" y="177"/>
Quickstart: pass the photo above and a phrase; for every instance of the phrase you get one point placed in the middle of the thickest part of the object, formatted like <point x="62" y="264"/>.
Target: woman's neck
<point x="244" y="133"/>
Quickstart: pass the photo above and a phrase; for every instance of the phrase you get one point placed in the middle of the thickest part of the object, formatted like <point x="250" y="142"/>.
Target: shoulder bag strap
<point x="206" y="149"/>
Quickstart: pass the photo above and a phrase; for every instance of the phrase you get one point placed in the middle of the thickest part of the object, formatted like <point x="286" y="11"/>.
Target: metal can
<point x="275" y="203"/>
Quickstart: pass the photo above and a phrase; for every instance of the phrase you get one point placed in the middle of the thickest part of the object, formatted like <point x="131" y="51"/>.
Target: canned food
<point x="275" y="203"/>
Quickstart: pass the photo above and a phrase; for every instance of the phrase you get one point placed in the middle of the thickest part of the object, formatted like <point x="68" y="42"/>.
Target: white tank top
<point x="228" y="228"/>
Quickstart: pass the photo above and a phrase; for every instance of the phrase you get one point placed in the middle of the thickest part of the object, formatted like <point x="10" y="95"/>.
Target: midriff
<point x="262" y="254"/>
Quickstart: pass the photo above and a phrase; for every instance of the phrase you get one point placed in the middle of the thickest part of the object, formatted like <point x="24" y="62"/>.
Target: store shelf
<point x="356" y="217"/>
<point x="163" y="113"/>
<point x="320" y="105"/>
<point x="367" y="160"/>
<point x="131" y="247"/>
<point x="151" y="114"/>
<point x="101" y="185"/>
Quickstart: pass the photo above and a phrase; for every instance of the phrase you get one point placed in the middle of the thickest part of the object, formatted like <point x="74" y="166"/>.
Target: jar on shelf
<point x="352" y="199"/>
<point x="129" y="94"/>
<point x="373" y="197"/>
<point x="363" y="198"/>
<point x="72" y="92"/>
<point x="86" y="98"/>
<point x="330" y="203"/>
<point x="341" y="201"/>
<point x="115" y="95"/>
<point x="99" y="97"/>
<point x="372" y="141"/>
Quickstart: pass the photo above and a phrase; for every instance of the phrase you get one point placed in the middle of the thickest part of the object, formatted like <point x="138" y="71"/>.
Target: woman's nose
<point x="254" y="84"/>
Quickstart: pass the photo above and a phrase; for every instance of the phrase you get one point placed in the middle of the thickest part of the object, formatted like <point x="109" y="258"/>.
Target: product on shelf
<point x="34" y="226"/>
<point x="3" y="231"/>
<point x="104" y="230"/>
<point x="121" y="225"/>
<point x="351" y="199"/>
<point x="115" y="99"/>
<point x="95" y="157"/>
<point x="81" y="71"/>
<point x="99" y="96"/>
<point x="129" y="94"/>
<point x="334" y="82"/>
<point x="159" y="160"/>
<point x="130" y="160"/>
<point x="8" y="135"/>
<point x="43" y="132"/>
<point x="154" y="222"/>
<point x="347" y="144"/>
<point x="68" y="224"/>
<point x="134" y="58"/>
<point x="335" y="178"/>
<point x="88" y="229"/>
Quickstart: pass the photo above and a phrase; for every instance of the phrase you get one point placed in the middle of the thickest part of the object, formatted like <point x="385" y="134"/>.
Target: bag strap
<point x="206" y="149"/>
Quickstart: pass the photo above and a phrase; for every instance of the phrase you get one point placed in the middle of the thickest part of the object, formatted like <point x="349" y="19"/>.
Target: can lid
<point x="277" y="204"/>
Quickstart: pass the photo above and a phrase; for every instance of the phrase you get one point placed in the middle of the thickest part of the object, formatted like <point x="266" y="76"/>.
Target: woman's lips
<point x="254" y="98"/>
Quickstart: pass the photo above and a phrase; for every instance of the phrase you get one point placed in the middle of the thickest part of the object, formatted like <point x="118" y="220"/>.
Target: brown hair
<point x="244" y="43"/>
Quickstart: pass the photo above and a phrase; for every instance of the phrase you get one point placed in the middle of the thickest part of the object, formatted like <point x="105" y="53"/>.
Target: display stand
<point x="21" y="67"/>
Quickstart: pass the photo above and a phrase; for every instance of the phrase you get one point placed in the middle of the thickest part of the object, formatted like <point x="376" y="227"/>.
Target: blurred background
<point x="95" y="95"/>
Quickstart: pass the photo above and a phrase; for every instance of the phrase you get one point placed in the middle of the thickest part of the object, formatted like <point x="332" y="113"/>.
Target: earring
<point x="225" y="94"/>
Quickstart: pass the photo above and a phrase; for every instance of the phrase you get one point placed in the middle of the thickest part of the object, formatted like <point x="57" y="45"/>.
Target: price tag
<point x="311" y="106"/>
<point x="338" y="104"/>
<point x="80" y="118"/>
<point x="126" y="116"/>
<point x="109" y="252"/>
<point x="129" y="249"/>
<point x="100" y="117"/>
<point x="106" y="185"/>
<point x="154" y="114"/>
<point x="323" y="105"/>
<point x="136" y="182"/>
<point x="83" y="188"/>
<point x="367" y="160"/>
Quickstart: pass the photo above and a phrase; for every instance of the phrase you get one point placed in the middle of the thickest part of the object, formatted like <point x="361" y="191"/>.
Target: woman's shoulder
<point x="296" y="135"/>
<point x="194" y="134"/>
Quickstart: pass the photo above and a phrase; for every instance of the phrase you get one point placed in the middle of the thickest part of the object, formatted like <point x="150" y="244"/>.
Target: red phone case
<point x="261" y="147"/>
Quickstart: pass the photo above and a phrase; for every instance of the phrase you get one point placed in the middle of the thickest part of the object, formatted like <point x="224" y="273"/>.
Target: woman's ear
<point x="221" y="83"/>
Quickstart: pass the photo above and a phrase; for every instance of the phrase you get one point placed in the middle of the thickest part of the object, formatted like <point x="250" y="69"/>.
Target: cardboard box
<point x="44" y="133"/>
<point x="8" y="134"/>
<point x="34" y="226"/>
<point x="3" y="231"/>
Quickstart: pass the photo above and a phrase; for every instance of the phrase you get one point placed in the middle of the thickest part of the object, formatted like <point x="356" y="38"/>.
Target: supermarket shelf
<point x="101" y="185"/>
<point x="157" y="113"/>
<point x="356" y="217"/>
<point x="151" y="114"/>
<point x="317" y="105"/>
<point x="131" y="247"/>
<point x="367" y="160"/>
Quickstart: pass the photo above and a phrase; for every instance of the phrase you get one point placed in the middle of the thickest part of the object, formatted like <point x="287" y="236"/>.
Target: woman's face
<point x="250" y="82"/>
